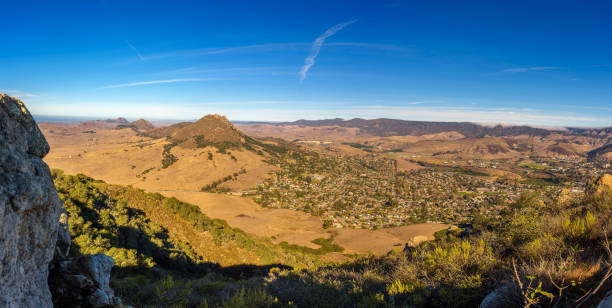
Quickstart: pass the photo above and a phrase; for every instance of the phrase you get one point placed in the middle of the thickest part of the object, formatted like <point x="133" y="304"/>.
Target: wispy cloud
<point x="316" y="47"/>
<point x="257" y="70"/>
<point x="272" y="47"/>
<point x="526" y="69"/>
<point x="18" y="93"/>
<point x="224" y="50"/>
<point x="388" y="47"/>
<point x="135" y="50"/>
<point x="143" y="83"/>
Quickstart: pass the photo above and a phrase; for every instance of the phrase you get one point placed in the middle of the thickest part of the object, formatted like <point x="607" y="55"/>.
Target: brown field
<point x="301" y="228"/>
<point x="406" y="165"/>
<point x="121" y="157"/>
<point x="381" y="241"/>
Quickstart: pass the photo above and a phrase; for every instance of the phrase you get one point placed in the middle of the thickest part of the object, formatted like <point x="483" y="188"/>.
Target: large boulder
<point x="502" y="297"/>
<point x="29" y="209"/>
<point x="83" y="282"/>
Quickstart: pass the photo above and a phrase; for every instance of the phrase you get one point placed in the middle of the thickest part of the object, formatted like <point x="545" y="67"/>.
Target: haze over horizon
<point x="545" y="63"/>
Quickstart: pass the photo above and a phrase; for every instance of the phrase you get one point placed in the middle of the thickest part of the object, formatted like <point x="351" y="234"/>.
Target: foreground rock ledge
<point x="31" y="221"/>
<point x="29" y="209"/>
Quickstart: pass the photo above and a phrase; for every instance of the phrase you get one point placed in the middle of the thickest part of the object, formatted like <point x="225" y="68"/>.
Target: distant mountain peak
<point x="211" y="128"/>
<point x="138" y="125"/>
<point x="119" y="120"/>
<point x="142" y="124"/>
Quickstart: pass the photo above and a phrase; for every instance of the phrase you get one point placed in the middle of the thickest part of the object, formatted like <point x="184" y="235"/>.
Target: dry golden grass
<point x="284" y="225"/>
<point x="381" y="241"/>
<point x="300" y="228"/>
<point x="122" y="157"/>
<point x="405" y="165"/>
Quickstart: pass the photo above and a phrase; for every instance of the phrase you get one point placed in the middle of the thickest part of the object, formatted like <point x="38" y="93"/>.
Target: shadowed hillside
<point x="604" y="152"/>
<point x="177" y="228"/>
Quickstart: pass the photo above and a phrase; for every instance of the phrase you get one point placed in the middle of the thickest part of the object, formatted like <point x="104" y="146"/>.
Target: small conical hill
<point x="211" y="129"/>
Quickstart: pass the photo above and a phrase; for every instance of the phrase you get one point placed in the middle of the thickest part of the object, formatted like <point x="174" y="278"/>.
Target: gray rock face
<point x="29" y="209"/>
<point x="83" y="281"/>
<point x="501" y="297"/>
<point x="606" y="302"/>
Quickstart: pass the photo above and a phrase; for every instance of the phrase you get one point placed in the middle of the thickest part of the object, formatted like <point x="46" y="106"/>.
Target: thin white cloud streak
<point x="526" y="69"/>
<point x="18" y="93"/>
<point x="370" y="46"/>
<point x="143" y="83"/>
<point x="316" y="47"/>
<point x="135" y="50"/>
<point x="271" y="70"/>
<point x="214" y="51"/>
<point x="267" y="48"/>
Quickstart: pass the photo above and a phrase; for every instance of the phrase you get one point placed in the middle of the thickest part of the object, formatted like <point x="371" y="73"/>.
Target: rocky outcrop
<point x="83" y="281"/>
<point x="501" y="297"/>
<point x="34" y="235"/>
<point x="29" y="209"/>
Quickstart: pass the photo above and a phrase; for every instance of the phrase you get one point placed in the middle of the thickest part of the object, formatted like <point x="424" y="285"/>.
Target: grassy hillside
<point x="170" y="254"/>
<point x="105" y="215"/>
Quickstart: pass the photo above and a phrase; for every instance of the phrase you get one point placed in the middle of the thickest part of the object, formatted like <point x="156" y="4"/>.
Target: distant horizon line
<point x="78" y="119"/>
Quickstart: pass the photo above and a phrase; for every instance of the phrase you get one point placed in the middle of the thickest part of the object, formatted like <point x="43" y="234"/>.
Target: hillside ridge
<point x="385" y="127"/>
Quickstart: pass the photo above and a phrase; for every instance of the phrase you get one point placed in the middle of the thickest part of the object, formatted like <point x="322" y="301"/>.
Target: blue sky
<point x="536" y="62"/>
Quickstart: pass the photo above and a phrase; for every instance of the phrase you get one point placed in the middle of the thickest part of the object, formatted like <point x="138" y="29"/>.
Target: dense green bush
<point x="99" y="224"/>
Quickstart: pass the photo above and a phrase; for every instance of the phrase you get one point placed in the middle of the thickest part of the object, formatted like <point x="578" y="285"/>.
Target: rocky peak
<point x="142" y="124"/>
<point x="22" y="131"/>
<point x="212" y="128"/>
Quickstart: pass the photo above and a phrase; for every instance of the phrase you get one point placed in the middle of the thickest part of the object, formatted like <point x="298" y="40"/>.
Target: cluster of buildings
<point x="368" y="192"/>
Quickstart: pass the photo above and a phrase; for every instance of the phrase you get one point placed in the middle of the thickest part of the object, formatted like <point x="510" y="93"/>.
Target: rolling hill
<point x="428" y="138"/>
<point x="183" y="156"/>
<point x="138" y="125"/>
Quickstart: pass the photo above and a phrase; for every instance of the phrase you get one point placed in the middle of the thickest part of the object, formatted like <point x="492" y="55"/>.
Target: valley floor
<point x="300" y="228"/>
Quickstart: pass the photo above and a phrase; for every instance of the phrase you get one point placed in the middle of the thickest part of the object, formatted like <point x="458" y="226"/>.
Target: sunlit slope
<point x="185" y="156"/>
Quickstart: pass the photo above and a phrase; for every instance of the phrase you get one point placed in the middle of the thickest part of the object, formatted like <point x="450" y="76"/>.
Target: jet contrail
<point x="316" y="47"/>
<point x="135" y="50"/>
